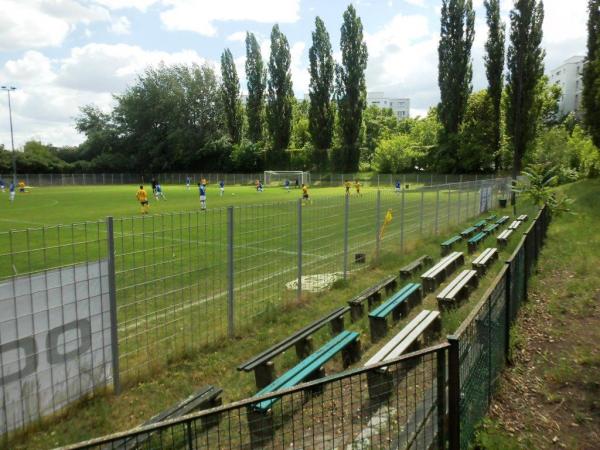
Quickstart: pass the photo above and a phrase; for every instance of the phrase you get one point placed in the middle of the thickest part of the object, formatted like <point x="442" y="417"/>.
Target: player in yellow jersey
<point x="305" y="196"/>
<point x="348" y="186"/>
<point x="142" y="197"/>
<point x="357" y="187"/>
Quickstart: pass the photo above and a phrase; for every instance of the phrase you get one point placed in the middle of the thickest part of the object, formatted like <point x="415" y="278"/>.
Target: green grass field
<point x="171" y="265"/>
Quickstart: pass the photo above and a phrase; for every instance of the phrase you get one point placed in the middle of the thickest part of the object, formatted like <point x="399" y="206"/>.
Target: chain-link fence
<point x="316" y="179"/>
<point x="433" y="398"/>
<point x="161" y="286"/>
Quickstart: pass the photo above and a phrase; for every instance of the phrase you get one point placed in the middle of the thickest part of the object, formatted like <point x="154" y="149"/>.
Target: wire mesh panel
<point x="171" y="277"/>
<point x="55" y="328"/>
<point x="517" y="278"/>
<point x="400" y="405"/>
<point x="482" y="344"/>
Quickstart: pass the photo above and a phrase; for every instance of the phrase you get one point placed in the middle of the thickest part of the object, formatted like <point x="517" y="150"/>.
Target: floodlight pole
<point x="12" y="139"/>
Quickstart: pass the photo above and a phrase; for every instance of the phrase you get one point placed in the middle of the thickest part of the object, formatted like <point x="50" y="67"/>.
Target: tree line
<point x="184" y="117"/>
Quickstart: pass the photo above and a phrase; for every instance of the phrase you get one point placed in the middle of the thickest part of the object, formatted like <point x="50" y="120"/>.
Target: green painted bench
<point x="475" y="241"/>
<point x="502" y="220"/>
<point x="480" y="224"/>
<point x="398" y="305"/>
<point x="490" y="218"/>
<point x="447" y="245"/>
<point x="468" y="232"/>
<point x="309" y="366"/>
<point x="490" y="228"/>
<point x="515" y="224"/>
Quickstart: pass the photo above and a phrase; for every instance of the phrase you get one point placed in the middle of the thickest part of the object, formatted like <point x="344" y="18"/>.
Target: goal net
<point x="278" y="177"/>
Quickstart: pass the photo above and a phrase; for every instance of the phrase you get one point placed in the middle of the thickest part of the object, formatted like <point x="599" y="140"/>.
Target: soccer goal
<point x="278" y="177"/>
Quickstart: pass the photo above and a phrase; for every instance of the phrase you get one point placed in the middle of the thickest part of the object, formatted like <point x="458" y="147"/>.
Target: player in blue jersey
<point x="287" y="185"/>
<point x="187" y="183"/>
<point x="221" y="188"/>
<point x="158" y="192"/>
<point x="398" y="189"/>
<point x="202" y="190"/>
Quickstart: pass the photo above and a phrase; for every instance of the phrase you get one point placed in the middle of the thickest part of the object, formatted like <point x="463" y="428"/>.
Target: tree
<point x="351" y="90"/>
<point x="477" y="135"/>
<point x="230" y="96"/>
<point x="321" y="112"/>
<point x="256" y="76"/>
<point x="454" y="75"/>
<point x="279" y="99"/>
<point x="379" y="123"/>
<point x="494" y="67"/>
<point x="591" y="73"/>
<point x="525" y="68"/>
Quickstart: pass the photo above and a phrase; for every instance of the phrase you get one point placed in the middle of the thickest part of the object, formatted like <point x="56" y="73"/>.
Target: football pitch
<point x="175" y="267"/>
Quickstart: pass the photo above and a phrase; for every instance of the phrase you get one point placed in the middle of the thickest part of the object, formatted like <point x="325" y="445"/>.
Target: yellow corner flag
<point x="387" y="219"/>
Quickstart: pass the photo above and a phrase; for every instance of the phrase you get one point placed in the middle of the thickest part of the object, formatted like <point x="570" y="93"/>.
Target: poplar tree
<point x="591" y="74"/>
<point x="279" y="98"/>
<point x="525" y="60"/>
<point x="351" y="89"/>
<point x="494" y="68"/>
<point x="321" y="113"/>
<point x="230" y="96"/>
<point x="256" y="82"/>
<point x="455" y="72"/>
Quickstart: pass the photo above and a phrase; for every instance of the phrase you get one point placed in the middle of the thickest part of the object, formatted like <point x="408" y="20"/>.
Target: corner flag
<point x="387" y="219"/>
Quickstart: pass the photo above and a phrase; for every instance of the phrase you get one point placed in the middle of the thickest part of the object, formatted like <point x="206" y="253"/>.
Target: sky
<point x="64" y="54"/>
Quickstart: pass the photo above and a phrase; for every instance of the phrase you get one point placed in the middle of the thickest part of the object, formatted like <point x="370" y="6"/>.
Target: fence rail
<point x="323" y="179"/>
<point x="440" y="393"/>
<point x="174" y="283"/>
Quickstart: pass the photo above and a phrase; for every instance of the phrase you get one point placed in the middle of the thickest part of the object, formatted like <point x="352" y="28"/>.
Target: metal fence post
<point x="377" y="225"/>
<point x="230" y="272"/>
<point x="467" y="212"/>
<point x="299" y="214"/>
<point x="449" y="204"/>
<point x="459" y="192"/>
<point x="441" y="396"/>
<point x="112" y="292"/>
<point x="421" y="212"/>
<point x="437" y="211"/>
<point x="402" y="213"/>
<point x="453" y="394"/>
<point x="507" y="299"/>
<point x="346" y="224"/>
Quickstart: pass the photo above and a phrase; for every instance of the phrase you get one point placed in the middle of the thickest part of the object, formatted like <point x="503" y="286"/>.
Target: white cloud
<point x="37" y="23"/>
<point x="237" y="36"/>
<point x="199" y="15"/>
<point x="420" y="3"/>
<point x="299" y="68"/>
<point x="51" y="91"/>
<point x="141" y="5"/>
<point x="120" y="25"/>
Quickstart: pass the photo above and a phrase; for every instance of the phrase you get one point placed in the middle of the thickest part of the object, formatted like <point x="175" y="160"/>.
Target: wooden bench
<point x="514" y="225"/>
<point x="262" y="364"/>
<point x="468" y="232"/>
<point x="475" y="241"/>
<point x="347" y="342"/>
<point x="425" y="326"/>
<point x="523" y="218"/>
<point x="503" y="237"/>
<point x="502" y="220"/>
<point x="457" y="289"/>
<point x="398" y="305"/>
<point x="491" y="218"/>
<point x="484" y="260"/>
<point x="372" y="295"/>
<point x="418" y="264"/>
<point x="442" y="270"/>
<point x="447" y="245"/>
<point x="479" y="225"/>
<point x="205" y="398"/>
<point x="490" y="228"/>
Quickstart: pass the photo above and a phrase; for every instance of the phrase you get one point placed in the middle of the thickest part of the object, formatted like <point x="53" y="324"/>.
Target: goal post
<point x="278" y="177"/>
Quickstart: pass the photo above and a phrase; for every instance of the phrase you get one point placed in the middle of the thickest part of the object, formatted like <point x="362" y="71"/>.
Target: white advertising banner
<point x="55" y="343"/>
